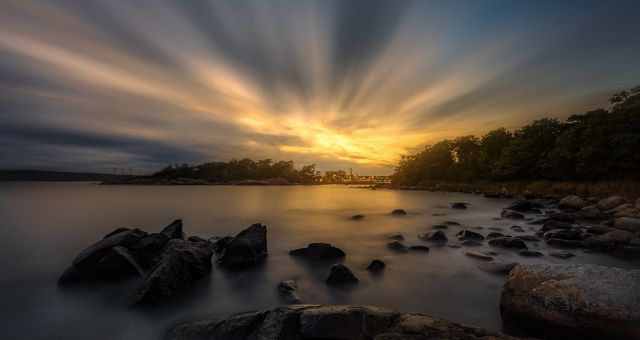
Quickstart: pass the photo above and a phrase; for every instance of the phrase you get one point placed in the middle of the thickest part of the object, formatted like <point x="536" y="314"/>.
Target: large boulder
<point x="87" y="260"/>
<point x="329" y="322"/>
<point x="319" y="252"/>
<point x="610" y="202"/>
<point x="573" y="202"/>
<point x="580" y="300"/>
<point x="174" y="230"/>
<point x="248" y="248"/>
<point x="182" y="262"/>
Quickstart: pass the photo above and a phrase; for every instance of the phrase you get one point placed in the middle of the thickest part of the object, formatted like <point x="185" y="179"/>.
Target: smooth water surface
<point x="45" y="225"/>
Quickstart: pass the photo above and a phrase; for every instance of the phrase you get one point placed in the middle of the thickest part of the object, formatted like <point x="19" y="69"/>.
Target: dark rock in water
<point x="469" y="235"/>
<point x="563" y="216"/>
<point x="71" y="276"/>
<point x="89" y="258"/>
<point x="398" y="237"/>
<point x="530" y="253"/>
<point x="147" y="251"/>
<point x="450" y="223"/>
<point x="341" y="275"/>
<point x="585" y="301"/>
<point x="496" y="267"/>
<point x="440" y="226"/>
<point x="494" y="234"/>
<point x="174" y="230"/>
<point x="561" y="254"/>
<point x="319" y="252"/>
<point x="248" y="248"/>
<point x="434" y="235"/>
<point x="287" y="291"/>
<point x="599" y="229"/>
<point x="495" y="228"/>
<point x="419" y="248"/>
<point x="610" y="202"/>
<point x="508" y="242"/>
<point x="491" y="195"/>
<point x="478" y="255"/>
<point x="560" y="243"/>
<point x="471" y="243"/>
<point x="357" y="217"/>
<point x="539" y="220"/>
<point x="182" y="262"/>
<point x="572" y="202"/>
<point x="510" y="214"/>
<point x="563" y="234"/>
<point x="376" y="265"/>
<point x="520" y="205"/>
<point x="398" y="212"/>
<point x="552" y="224"/>
<point x="118" y="230"/>
<point x="397" y="246"/>
<point x="118" y="263"/>
<point x="329" y="322"/>
<point x="528" y="238"/>
<point x="459" y="205"/>
<point x="219" y="243"/>
<point x="517" y="228"/>
<point x="590" y="213"/>
<point x="196" y="239"/>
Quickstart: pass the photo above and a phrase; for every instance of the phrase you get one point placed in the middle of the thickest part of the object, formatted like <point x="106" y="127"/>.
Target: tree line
<point x="602" y="144"/>
<point x="234" y="170"/>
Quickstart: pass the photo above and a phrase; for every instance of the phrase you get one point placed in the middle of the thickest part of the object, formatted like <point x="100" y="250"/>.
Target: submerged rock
<point x="510" y="214"/>
<point x="478" y="255"/>
<point x="530" y="253"/>
<point x="397" y="246"/>
<point x="357" y="217"/>
<point x="469" y="235"/>
<point x="287" y="291"/>
<point x="329" y="322"/>
<point x="182" y="262"/>
<point x="398" y="237"/>
<point x="424" y="249"/>
<point x="459" y="205"/>
<point x="376" y="265"/>
<point x="434" y="235"/>
<point x="319" y="252"/>
<point x="496" y="267"/>
<point x="561" y="254"/>
<point x="508" y="242"/>
<point x="398" y="212"/>
<point x="588" y="300"/>
<point x="341" y="275"/>
<point x="248" y="248"/>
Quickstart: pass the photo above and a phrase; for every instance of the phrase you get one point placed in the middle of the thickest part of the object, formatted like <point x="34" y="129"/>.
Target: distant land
<point x="51" y="176"/>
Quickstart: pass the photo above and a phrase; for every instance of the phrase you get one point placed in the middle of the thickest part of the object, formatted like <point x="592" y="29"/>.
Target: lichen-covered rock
<point x="182" y="262"/>
<point x="589" y="300"/>
<point x="248" y="248"/>
<point x="329" y="322"/>
<point x="572" y="202"/>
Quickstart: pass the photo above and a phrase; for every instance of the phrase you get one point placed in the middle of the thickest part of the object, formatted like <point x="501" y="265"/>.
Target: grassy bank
<point x="629" y="189"/>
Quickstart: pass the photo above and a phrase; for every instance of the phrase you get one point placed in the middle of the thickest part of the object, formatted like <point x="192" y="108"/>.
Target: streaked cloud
<point x="94" y="84"/>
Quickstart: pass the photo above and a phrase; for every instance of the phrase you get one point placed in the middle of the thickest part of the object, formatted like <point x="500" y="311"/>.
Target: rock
<point x="329" y="322"/>
<point x="552" y="224"/>
<point x="87" y="260"/>
<point x="248" y="248"/>
<point x="118" y="263"/>
<point x="517" y="228"/>
<point x="627" y="223"/>
<point x="357" y="217"/>
<point x="508" y="242"/>
<point x="376" y="265"/>
<point x="440" y="226"/>
<point x="182" y="262"/>
<point x="341" y="275"/>
<point x="530" y="253"/>
<point x="495" y="228"/>
<point x="319" y="252"/>
<point x="560" y="243"/>
<point x="116" y="231"/>
<point x="174" y="230"/>
<point x="561" y="254"/>
<point x="563" y="234"/>
<point x="434" y="235"/>
<point x="539" y="220"/>
<point x="599" y="229"/>
<point x="510" y="214"/>
<point x="610" y="202"/>
<point x="459" y="205"/>
<point x="496" y="267"/>
<point x="287" y="291"/>
<point x="196" y="239"/>
<point x="494" y="234"/>
<point x="528" y="238"/>
<point x="419" y="248"/>
<point x="563" y="216"/>
<point x="397" y="246"/>
<point x="398" y="212"/>
<point x="620" y="208"/>
<point x="590" y="213"/>
<point x="219" y="243"/>
<point x="469" y="235"/>
<point x="608" y="241"/>
<point x="588" y="300"/>
<point x="572" y="202"/>
<point x="397" y="237"/>
<point x="478" y="255"/>
<point x="451" y="223"/>
<point x="520" y="205"/>
<point x="471" y="243"/>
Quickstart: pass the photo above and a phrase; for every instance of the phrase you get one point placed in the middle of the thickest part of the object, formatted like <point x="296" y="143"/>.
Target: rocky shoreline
<point x="578" y="301"/>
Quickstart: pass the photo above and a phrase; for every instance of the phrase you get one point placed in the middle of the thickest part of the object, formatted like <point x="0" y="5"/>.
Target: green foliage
<point x="234" y="170"/>
<point x="598" y="145"/>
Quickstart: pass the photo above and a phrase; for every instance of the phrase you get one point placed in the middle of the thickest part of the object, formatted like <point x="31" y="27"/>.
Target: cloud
<point x="91" y="85"/>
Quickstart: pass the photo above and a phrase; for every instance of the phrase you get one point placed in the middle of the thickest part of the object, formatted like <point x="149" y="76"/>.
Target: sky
<point x="89" y="85"/>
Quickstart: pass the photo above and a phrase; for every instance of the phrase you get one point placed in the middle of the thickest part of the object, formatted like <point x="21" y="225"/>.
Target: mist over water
<point x="45" y="225"/>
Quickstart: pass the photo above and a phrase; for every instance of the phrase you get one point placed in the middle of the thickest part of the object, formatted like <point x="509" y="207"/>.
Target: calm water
<point x="44" y="225"/>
